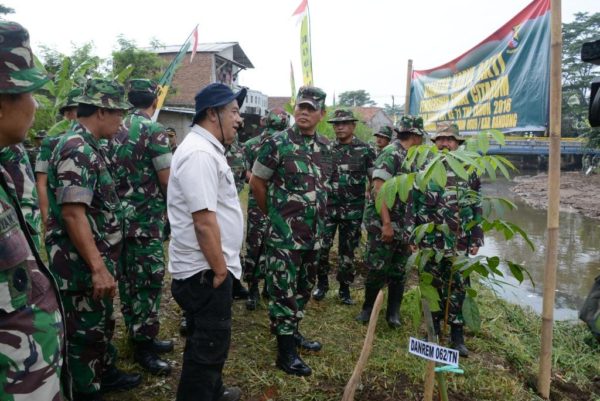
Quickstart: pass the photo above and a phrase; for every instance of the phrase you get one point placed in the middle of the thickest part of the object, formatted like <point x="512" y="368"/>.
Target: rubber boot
<point x="238" y="290"/>
<point x="344" y="294"/>
<point x="370" y="296"/>
<point x="322" y="287"/>
<point x="457" y="340"/>
<point x="253" y="295"/>
<point x="306" y="344"/>
<point x="392" y="313"/>
<point x="148" y="359"/>
<point x="288" y="359"/>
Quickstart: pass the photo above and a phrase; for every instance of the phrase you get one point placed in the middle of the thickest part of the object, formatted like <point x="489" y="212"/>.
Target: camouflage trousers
<point x="90" y="327"/>
<point x="254" y="262"/>
<point x="142" y="268"/>
<point x="445" y="282"/>
<point x="385" y="261"/>
<point x="31" y="340"/>
<point x="349" y="237"/>
<point x="290" y="278"/>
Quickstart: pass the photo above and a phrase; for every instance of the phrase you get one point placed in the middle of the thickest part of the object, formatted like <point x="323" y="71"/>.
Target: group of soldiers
<point x="101" y="212"/>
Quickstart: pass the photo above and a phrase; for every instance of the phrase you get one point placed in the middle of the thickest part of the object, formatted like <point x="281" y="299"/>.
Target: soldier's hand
<point x="387" y="233"/>
<point x="474" y="250"/>
<point x="219" y="278"/>
<point x="103" y="283"/>
<point x="413" y="248"/>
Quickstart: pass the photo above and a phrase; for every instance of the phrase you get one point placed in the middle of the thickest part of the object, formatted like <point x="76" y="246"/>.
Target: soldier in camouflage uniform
<point x="141" y="159"/>
<point x="31" y="320"/>
<point x="69" y="113"/>
<point x="457" y="206"/>
<point x="172" y="134"/>
<point x="386" y="251"/>
<point x="383" y="136"/>
<point x="290" y="180"/>
<point x="352" y="164"/>
<point x="236" y="160"/>
<point x="254" y="270"/>
<point x="84" y="235"/>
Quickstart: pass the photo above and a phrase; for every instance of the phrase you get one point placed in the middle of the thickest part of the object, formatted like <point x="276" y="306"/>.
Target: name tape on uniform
<point x="433" y="352"/>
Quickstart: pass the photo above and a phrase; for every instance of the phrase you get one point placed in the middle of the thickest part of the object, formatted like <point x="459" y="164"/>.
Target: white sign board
<point x="433" y="352"/>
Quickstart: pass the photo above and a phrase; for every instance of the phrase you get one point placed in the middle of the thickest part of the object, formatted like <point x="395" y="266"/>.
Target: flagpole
<point x="408" y="84"/>
<point x="184" y="42"/>
<point x="544" y="377"/>
<point x="312" y="74"/>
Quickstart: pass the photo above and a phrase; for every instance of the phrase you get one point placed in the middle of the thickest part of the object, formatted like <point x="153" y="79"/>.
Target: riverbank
<point x="578" y="193"/>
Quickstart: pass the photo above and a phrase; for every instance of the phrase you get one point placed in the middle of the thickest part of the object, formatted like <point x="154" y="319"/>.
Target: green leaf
<point x="457" y="167"/>
<point x="489" y="168"/>
<point x="522" y="233"/>
<point x="404" y="184"/>
<point x="439" y="174"/>
<point x="423" y="155"/>
<point x="483" y="142"/>
<point x="516" y="270"/>
<point x="426" y="278"/>
<point x="497" y="135"/>
<point x="471" y="315"/>
<point x="471" y="292"/>
<point x="412" y="305"/>
<point x="431" y="295"/>
<point x="493" y="262"/>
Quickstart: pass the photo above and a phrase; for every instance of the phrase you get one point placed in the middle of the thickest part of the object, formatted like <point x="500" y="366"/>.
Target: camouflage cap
<point x="447" y="129"/>
<point x="73" y="93"/>
<point x="105" y="94"/>
<point x="277" y="119"/>
<point x="142" y="85"/>
<point x="311" y="95"/>
<point x="171" y="131"/>
<point x="341" y="115"/>
<point x="18" y="74"/>
<point x="385" y="131"/>
<point x="412" y="124"/>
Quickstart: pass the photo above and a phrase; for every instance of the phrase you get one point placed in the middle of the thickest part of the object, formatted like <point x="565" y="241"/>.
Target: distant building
<point x="373" y="117"/>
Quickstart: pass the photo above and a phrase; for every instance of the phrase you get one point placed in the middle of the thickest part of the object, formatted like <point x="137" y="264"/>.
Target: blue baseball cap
<point x="216" y="95"/>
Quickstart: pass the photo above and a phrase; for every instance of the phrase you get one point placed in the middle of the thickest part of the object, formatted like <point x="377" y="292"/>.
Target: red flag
<point x="301" y="8"/>
<point x="195" y="44"/>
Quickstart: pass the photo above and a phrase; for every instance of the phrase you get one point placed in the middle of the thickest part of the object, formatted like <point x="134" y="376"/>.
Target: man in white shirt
<point x="206" y="238"/>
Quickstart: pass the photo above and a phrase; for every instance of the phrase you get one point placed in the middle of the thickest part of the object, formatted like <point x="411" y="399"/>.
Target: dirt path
<point x="578" y="193"/>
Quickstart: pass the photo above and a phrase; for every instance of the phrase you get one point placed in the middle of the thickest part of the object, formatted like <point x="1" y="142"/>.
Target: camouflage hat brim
<point x="458" y="138"/>
<point x="342" y="119"/>
<point x="315" y="105"/>
<point x="23" y="81"/>
<point x="415" y="131"/>
<point x="108" y="104"/>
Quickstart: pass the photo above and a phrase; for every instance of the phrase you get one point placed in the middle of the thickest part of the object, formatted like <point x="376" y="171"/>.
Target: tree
<point x="145" y="64"/>
<point x="355" y="99"/>
<point x="394" y="111"/>
<point x="6" y="10"/>
<point x="577" y="76"/>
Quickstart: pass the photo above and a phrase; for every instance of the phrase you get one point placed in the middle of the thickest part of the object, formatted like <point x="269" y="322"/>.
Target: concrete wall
<point x="179" y="121"/>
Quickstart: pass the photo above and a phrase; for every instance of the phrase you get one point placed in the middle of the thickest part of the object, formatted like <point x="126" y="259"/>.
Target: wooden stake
<point x="553" y="200"/>
<point x="408" y="83"/>
<point x="350" y="388"/>
<point x="431" y="337"/>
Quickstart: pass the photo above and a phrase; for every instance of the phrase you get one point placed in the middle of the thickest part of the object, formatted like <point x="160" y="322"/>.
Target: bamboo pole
<point x="350" y="388"/>
<point x="553" y="200"/>
<point x="408" y="83"/>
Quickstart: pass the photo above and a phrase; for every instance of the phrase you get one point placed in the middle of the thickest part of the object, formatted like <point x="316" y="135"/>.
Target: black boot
<point x="239" y="291"/>
<point x="322" y="287"/>
<point x="253" y="296"/>
<point x="370" y="295"/>
<point x="305" y="344"/>
<point x="231" y="394"/>
<point x="148" y="359"/>
<point x="344" y="294"/>
<point x="457" y="340"/>
<point x="114" y="379"/>
<point x="288" y="359"/>
<point x="162" y="346"/>
<point x="77" y="396"/>
<point x="395" y="294"/>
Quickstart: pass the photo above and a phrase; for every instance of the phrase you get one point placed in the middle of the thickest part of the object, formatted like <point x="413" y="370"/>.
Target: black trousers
<point x="208" y="314"/>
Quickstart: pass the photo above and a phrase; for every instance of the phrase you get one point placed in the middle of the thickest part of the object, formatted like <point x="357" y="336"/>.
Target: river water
<point x="578" y="255"/>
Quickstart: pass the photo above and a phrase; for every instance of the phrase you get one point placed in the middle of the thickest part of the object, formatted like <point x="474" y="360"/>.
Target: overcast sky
<point x="355" y="44"/>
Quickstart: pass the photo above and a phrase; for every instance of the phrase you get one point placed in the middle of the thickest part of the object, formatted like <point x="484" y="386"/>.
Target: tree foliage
<point x="394" y="111"/>
<point x="6" y="10"/>
<point x="355" y="98"/>
<point x="144" y="64"/>
<point x="577" y="76"/>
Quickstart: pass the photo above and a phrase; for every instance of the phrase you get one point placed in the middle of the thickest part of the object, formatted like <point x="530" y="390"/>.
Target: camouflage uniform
<point x="386" y="132"/>
<point x="298" y="169"/>
<point x="257" y="222"/>
<point x="137" y="153"/>
<point x="14" y="160"/>
<point x="237" y="162"/>
<point x="31" y="322"/>
<point x="79" y="173"/>
<point x="352" y="164"/>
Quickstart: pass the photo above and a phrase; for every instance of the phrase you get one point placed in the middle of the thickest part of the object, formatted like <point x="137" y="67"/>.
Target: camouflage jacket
<point x="78" y="173"/>
<point x="31" y="346"/>
<point x="46" y="149"/>
<point x="15" y="162"/>
<point x="352" y="165"/>
<point x="138" y="152"/>
<point x="251" y="147"/>
<point x="237" y="161"/>
<point x="298" y="169"/>
<point x="452" y="209"/>
<point x="387" y="165"/>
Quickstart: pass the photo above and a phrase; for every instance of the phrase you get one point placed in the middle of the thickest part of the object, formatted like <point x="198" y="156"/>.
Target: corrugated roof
<point x="238" y="54"/>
